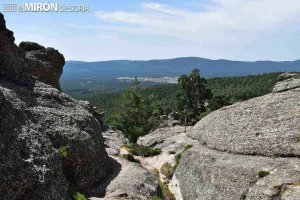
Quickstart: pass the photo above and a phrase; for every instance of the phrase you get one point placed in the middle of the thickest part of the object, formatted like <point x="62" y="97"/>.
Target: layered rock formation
<point x="249" y="150"/>
<point x="49" y="143"/>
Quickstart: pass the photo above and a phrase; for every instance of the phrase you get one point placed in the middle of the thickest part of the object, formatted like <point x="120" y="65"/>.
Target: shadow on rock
<point x="99" y="190"/>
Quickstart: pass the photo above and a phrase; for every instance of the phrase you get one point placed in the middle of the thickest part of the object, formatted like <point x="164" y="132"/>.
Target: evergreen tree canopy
<point x="192" y="95"/>
<point x="137" y="114"/>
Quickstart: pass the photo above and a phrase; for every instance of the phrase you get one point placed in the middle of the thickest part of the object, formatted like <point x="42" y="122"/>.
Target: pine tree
<point x="192" y="95"/>
<point x="137" y="113"/>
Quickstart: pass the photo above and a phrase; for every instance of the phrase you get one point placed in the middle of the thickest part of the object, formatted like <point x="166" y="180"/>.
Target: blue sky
<point x="138" y="29"/>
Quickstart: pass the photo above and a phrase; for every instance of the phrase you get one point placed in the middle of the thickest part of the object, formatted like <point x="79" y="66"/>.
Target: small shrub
<point x="156" y="173"/>
<point x="62" y="152"/>
<point x="166" y="193"/>
<point x="262" y="173"/>
<point x="140" y="150"/>
<point x="177" y="160"/>
<point x="187" y="147"/>
<point x="130" y="158"/>
<point x="156" y="198"/>
<point x="76" y="195"/>
<point x="167" y="170"/>
<point x="79" y="196"/>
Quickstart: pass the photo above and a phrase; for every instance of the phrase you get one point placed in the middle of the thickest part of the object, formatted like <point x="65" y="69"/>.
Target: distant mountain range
<point x="172" y="67"/>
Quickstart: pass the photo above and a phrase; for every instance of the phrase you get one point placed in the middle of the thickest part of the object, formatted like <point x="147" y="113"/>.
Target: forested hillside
<point x="232" y="89"/>
<point x="77" y="70"/>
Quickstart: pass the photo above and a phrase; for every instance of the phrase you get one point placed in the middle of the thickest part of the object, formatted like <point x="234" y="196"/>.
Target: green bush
<point x="130" y="158"/>
<point x="188" y="146"/>
<point x="167" y="170"/>
<point x="156" y="173"/>
<point x="262" y="173"/>
<point x="62" y="152"/>
<point x="156" y="198"/>
<point x="166" y="193"/>
<point x="140" y="150"/>
<point x="76" y="195"/>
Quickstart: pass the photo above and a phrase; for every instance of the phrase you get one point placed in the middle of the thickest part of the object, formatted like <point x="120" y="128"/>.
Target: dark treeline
<point x="227" y="90"/>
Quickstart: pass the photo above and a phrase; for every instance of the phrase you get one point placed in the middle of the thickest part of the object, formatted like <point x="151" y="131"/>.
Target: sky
<point x="246" y="30"/>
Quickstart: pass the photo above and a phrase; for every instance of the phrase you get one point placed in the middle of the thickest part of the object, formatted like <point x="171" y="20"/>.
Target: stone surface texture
<point x="49" y="143"/>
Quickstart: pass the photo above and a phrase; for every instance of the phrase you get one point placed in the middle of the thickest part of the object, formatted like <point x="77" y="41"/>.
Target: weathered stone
<point x="240" y="145"/>
<point x="48" y="141"/>
<point x="12" y="59"/>
<point x="31" y="46"/>
<point x="209" y="174"/>
<point x="133" y="182"/>
<point x="35" y="123"/>
<point x="92" y="109"/>
<point x="267" y="125"/>
<point x="114" y="140"/>
<point x="285" y="76"/>
<point x="287" y="85"/>
<point x="44" y="63"/>
<point x="169" y="139"/>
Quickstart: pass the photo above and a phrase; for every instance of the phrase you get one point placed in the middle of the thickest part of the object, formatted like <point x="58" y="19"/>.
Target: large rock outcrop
<point x="249" y="150"/>
<point x="287" y="81"/>
<point x="267" y="125"/>
<point x="44" y="63"/>
<point x="49" y="143"/>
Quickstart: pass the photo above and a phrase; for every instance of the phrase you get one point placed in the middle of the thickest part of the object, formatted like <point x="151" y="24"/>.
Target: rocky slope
<point x="249" y="150"/>
<point x="49" y="143"/>
<point x="51" y="146"/>
<point x="128" y="180"/>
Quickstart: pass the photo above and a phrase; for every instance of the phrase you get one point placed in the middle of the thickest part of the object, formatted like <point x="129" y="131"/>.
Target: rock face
<point x="210" y="174"/>
<point x="114" y="140"/>
<point x="49" y="142"/>
<point x="287" y="81"/>
<point x="169" y="139"/>
<point x="12" y="58"/>
<point x="267" y="125"/>
<point x="44" y="63"/>
<point x="249" y="150"/>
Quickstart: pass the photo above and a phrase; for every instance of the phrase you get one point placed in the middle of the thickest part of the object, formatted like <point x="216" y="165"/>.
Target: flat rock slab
<point x="169" y="139"/>
<point x="114" y="140"/>
<point x="131" y="181"/>
<point x="209" y="174"/>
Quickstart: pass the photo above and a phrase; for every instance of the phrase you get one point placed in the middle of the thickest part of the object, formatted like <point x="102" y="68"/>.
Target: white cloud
<point x="222" y="24"/>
